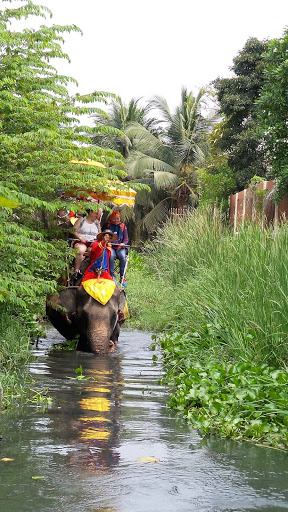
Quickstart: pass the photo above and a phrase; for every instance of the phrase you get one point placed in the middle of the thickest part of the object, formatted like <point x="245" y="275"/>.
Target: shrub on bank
<point x="14" y="357"/>
<point x="220" y="301"/>
<point x="200" y="276"/>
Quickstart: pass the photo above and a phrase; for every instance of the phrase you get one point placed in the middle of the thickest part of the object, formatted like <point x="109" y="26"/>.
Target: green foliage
<point x="272" y="106"/>
<point x="67" y="345"/>
<point x="145" y="298"/>
<point x="41" y="399"/>
<point x="40" y="133"/>
<point x="240" y="136"/>
<point x="213" y="278"/>
<point x="14" y="356"/>
<point x="215" y="181"/>
<point x="233" y="400"/>
<point x="80" y="377"/>
<point x="259" y="193"/>
<point x="135" y="260"/>
<point x="220" y="301"/>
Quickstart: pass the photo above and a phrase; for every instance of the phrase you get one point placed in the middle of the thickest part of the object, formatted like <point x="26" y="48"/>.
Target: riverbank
<point x="15" y="355"/>
<point x="220" y="303"/>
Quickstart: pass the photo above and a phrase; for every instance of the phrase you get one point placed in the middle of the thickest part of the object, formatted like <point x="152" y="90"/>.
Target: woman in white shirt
<point x="85" y="231"/>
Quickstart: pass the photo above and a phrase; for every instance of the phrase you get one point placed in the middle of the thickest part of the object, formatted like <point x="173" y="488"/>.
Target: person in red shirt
<point x="100" y="255"/>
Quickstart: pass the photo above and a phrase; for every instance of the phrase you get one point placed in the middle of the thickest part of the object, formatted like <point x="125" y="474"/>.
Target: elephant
<point x="75" y="313"/>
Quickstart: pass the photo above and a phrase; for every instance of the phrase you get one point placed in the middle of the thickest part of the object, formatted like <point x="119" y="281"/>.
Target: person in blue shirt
<point x="118" y="248"/>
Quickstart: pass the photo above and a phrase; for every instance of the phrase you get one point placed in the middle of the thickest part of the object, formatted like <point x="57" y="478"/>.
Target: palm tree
<point x="167" y="158"/>
<point x="120" y="116"/>
<point x="160" y="152"/>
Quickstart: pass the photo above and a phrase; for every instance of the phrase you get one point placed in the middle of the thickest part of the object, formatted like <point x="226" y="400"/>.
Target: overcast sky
<point x="142" y="49"/>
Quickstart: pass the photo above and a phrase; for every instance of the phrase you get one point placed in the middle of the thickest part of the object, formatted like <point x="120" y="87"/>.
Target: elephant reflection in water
<point x="99" y="419"/>
<point x="90" y="419"/>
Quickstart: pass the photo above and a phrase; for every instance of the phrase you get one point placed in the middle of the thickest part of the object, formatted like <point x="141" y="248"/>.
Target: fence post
<point x="263" y="216"/>
<point x="244" y="206"/>
<point x="235" y="213"/>
<point x="276" y="217"/>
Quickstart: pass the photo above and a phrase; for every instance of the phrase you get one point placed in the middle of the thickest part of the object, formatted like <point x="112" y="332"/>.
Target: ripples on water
<point x="89" y="443"/>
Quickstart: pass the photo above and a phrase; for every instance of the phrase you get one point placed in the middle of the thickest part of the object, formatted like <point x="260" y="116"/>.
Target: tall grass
<point x="232" y="291"/>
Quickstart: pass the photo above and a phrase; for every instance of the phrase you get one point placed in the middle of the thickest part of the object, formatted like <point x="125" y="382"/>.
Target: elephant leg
<point x="83" y="344"/>
<point x="115" y="334"/>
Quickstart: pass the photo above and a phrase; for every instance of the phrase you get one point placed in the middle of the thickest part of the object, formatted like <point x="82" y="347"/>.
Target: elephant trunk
<point x="97" y="322"/>
<point x="99" y="338"/>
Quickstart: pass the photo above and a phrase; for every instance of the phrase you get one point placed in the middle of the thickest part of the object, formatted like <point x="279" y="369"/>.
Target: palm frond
<point x="165" y="180"/>
<point x="161" y="104"/>
<point x="127" y="213"/>
<point x="157" y="215"/>
<point x="145" y="198"/>
<point x="148" y="143"/>
<point x="140" y="163"/>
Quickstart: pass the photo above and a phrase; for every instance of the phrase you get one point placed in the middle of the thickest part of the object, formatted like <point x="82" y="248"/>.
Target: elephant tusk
<point x="111" y="346"/>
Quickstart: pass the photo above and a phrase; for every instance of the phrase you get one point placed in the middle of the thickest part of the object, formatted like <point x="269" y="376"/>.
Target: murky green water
<point x="89" y="444"/>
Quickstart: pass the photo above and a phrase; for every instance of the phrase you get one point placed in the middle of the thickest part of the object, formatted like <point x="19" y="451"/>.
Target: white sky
<point x="142" y="49"/>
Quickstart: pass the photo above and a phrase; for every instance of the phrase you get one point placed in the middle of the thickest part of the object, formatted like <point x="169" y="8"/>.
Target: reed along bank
<point x="217" y="303"/>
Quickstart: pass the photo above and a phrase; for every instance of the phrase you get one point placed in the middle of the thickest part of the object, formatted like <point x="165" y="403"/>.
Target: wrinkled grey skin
<point x="79" y="314"/>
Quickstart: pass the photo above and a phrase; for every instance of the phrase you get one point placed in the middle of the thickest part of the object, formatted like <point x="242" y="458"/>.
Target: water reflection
<point x="101" y="409"/>
<point x="90" y="444"/>
<point x="92" y="421"/>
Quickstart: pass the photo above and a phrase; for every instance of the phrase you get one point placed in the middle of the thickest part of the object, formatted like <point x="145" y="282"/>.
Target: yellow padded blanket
<point x="100" y="289"/>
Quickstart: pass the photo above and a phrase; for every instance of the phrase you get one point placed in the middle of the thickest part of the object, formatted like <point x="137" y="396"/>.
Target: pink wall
<point x="246" y="205"/>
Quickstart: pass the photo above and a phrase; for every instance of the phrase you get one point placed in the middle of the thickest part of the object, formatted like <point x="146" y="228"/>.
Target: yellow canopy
<point x="116" y="194"/>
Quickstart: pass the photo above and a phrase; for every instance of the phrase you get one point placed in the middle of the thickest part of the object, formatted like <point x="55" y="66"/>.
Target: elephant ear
<point x="122" y="300"/>
<point x="61" y="313"/>
<point x="68" y="300"/>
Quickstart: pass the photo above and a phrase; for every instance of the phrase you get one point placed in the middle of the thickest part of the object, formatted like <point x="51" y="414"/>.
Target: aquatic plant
<point x="241" y="401"/>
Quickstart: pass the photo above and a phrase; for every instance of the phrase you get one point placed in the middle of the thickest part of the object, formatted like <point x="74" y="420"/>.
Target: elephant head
<point x="97" y="322"/>
<point x="74" y="312"/>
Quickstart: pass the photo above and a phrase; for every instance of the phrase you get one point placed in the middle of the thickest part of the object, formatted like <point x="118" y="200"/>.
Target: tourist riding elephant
<point x="74" y="312"/>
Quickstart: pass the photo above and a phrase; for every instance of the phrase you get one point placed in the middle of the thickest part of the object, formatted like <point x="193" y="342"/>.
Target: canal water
<point x="108" y="443"/>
